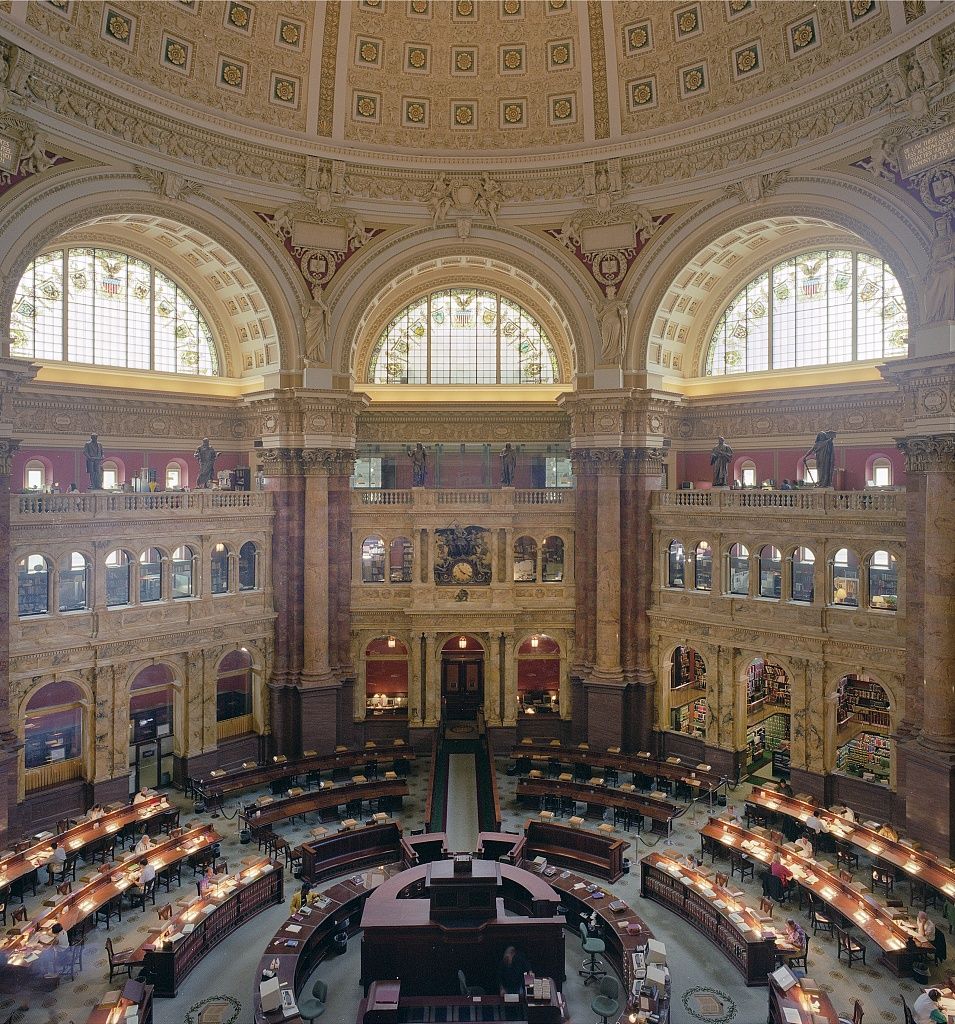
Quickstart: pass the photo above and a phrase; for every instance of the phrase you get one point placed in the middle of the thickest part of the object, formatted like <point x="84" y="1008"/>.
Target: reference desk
<point x="170" y="953"/>
<point x="660" y="812"/>
<point x="227" y="783"/>
<point x="112" y="1008"/>
<point x="920" y="866"/>
<point x="23" y="949"/>
<point x="576" y="848"/>
<point x="507" y="846"/>
<point x="805" y="1001"/>
<point x="328" y="798"/>
<point x="351" y="849"/>
<point x="748" y="943"/>
<point x="305" y="939"/>
<point x="896" y="939"/>
<point x="83" y="836"/>
<point x="699" y="778"/>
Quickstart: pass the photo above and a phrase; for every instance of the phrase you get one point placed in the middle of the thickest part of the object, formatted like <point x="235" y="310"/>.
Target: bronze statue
<point x="206" y="456"/>
<point x="720" y="458"/>
<point x="508" y="465"/>
<point x="824" y="452"/>
<point x="93" y="451"/>
<point x="419" y="465"/>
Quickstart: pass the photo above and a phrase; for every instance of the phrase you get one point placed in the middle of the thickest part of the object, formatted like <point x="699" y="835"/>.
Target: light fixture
<point x="392" y="641"/>
<point x="463" y="642"/>
<point x="535" y="640"/>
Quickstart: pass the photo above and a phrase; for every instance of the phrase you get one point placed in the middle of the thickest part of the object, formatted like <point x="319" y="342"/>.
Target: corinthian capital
<point x="8" y="448"/>
<point x="280" y="461"/>
<point x="328" y="461"/>
<point x="927" y="454"/>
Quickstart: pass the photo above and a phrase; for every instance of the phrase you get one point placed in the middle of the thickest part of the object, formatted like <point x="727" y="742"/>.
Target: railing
<point x="441" y="497"/>
<point x="39" y="507"/>
<point x="231" y="727"/>
<point x="885" y="502"/>
<point x="53" y="774"/>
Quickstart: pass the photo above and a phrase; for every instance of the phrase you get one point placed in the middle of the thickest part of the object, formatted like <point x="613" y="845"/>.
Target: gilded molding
<point x="327" y="461"/>
<point x="598" y="64"/>
<point x="326" y="94"/>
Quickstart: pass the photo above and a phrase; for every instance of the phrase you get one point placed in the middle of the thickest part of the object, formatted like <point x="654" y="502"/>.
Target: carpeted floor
<point x="705" y="986"/>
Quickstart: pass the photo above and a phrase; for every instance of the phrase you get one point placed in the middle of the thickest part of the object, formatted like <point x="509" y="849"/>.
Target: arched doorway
<point x="462" y="678"/>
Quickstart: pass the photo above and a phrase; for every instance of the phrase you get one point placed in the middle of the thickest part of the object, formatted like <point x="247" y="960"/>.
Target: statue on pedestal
<point x="720" y="458"/>
<point x="206" y="456"/>
<point x="419" y="465"/>
<point x="316" y="319"/>
<point x="508" y="465"/>
<point x="94" y="454"/>
<point x="824" y="452"/>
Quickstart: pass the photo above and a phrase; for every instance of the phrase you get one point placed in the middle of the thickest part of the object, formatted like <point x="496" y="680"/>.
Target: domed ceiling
<point x="459" y="75"/>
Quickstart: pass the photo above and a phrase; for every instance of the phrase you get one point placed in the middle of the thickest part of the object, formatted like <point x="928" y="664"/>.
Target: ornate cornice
<point x="282" y="462"/>
<point x="496" y="424"/>
<point x="932" y="454"/>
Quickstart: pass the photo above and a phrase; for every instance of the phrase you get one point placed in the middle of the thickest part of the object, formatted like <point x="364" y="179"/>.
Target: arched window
<point x="883" y="581"/>
<point x="738" y="564"/>
<point x="103" y="307"/>
<point x="881" y="472"/>
<point x="151" y="704"/>
<point x="400" y="560"/>
<point x="386" y="677"/>
<point x="220" y="569"/>
<point x="183" y="568"/>
<point x="821" y="307"/>
<point x="248" y="566"/>
<point x="770" y="571"/>
<point x="33" y="585"/>
<point x="747" y="473"/>
<point x="150" y="575"/>
<point x="703" y="562"/>
<point x="464" y="336"/>
<point x="676" y="564"/>
<point x="525" y="560"/>
<point x="845" y="578"/>
<point x="687" y="668"/>
<point x="175" y="476"/>
<point x="803" y="575"/>
<point x="34" y="475"/>
<point x="538" y="675"/>
<point x="111" y="475"/>
<point x="807" y="470"/>
<point x="234" y="687"/>
<point x="53" y="725"/>
<point x="552" y="560"/>
<point x="373" y="560"/>
<point x="74" y="582"/>
<point x="118" y="569"/>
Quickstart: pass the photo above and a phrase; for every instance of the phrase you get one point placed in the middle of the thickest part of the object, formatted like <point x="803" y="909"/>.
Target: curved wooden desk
<point x="660" y="812"/>
<point x="577" y="848"/>
<point x="326" y="799"/>
<point x="350" y="850"/>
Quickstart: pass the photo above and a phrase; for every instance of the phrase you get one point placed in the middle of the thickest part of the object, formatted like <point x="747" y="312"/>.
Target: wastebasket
<point x="245" y="836"/>
<point x="340" y="943"/>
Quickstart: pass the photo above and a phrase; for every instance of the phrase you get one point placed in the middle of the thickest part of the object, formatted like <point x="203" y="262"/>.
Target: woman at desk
<point x="925" y="1009"/>
<point x="514" y="966"/>
<point x="300" y="898"/>
<point x="208" y="878"/>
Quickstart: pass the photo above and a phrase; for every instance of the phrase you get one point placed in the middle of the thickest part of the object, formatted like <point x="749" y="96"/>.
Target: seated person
<point x="732" y="815"/>
<point x="785" y="788"/>
<point x="56" y="861"/>
<point x="925" y="1009"/>
<point x="208" y="878"/>
<point x="143" y="795"/>
<point x="888" y="832"/>
<point x="689" y="861"/>
<point x="780" y="870"/>
<point x="145" y="875"/>
<point x="925" y="927"/>
<point x="794" y="934"/>
<point x="514" y="966"/>
<point x="804" y="846"/>
<point x="144" y="845"/>
<point x="846" y="812"/>
<point x="60" y="936"/>
<point x="300" y="898"/>
<point x="95" y="812"/>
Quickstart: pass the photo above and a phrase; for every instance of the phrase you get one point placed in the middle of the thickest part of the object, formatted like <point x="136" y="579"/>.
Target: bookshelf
<point x="862" y="700"/>
<point x="766" y="683"/>
<point x="867" y="756"/>
<point x="688" y="669"/>
<point x="690" y="718"/>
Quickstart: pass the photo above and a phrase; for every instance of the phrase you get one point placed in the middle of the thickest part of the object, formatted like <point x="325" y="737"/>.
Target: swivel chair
<point x="593" y="967"/>
<point x="313" y="1006"/>
<point x="468" y="991"/>
<point x="606" y="1004"/>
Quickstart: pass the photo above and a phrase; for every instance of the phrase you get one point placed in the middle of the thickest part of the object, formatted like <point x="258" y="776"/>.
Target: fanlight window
<point x="829" y="306"/>
<point x="464" y="336"/>
<point x="106" y="308"/>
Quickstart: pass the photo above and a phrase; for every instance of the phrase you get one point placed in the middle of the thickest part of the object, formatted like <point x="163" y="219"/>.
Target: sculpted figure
<point x="439" y="199"/>
<point x="508" y="465"/>
<point x="206" y="456"/>
<point x="824" y="451"/>
<point x="720" y="458"/>
<point x="419" y="465"/>
<point x="489" y="197"/>
<point x="612" y="318"/>
<point x="94" y="454"/>
<point x="317" y="320"/>
<point x="939" y="286"/>
<point x="33" y="159"/>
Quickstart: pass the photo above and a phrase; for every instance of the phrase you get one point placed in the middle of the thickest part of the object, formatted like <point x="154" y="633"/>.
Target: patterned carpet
<point x="705" y="986"/>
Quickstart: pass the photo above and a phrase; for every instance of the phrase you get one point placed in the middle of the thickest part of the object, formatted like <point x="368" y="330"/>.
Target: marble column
<point x="607" y="626"/>
<point x="316" y="631"/>
<point x="585" y="576"/>
<point x="9" y="743"/>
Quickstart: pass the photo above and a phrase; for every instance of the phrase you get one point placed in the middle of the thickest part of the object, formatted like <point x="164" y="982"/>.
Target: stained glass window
<point x="464" y="336"/>
<point x="818" y="308"/>
<point x="106" y="308"/>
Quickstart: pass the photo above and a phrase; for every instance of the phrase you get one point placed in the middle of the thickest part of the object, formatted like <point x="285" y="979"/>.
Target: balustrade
<point x="810" y="501"/>
<point x="502" y="498"/>
<point x="33" y="508"/>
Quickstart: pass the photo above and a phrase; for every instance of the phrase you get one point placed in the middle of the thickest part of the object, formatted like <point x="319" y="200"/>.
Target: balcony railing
<point x="37" y="508"/>
<point x="810" y="501"/>
<point x="498" y="498"/>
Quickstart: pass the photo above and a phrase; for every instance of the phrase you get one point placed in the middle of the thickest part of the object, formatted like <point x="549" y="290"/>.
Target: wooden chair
<point x="820" y="922"/>
<point x="167" y="874"/>
<point x="800" y="959"/>
<point x="19" y="915"/>
<point x="281" y="849"/>
<point x="138" y="895"/>
<point x="846" y="857"/>
<point x="846" y="876"/>
<point x="743" y="865"/>
<point x="65" y="888"/>
<point x="164" y="913"/>
<point x="722" y="880"/>
<point x="923" y="895"/>
<point x="766" y="906"/>
<point x="883" y="879"/>
<point x="848" y="947"/>
<point x="909" y="1019"/>
<point x="124" y="960"/>
<point x="857" y="1014"/>
<point x="110" y="909"/>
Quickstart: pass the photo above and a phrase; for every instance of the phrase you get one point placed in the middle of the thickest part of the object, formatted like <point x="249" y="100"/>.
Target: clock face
<point x="462" y="572"/>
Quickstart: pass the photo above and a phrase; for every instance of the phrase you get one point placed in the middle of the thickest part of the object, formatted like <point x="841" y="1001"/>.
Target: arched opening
<point x="33" y="586"/>
<point x="689" y="708"/>
<point x="373" y="560"/>
<point x="176" y="476"/>
<point x="183" y="572"/>
<point x="538" y="676"/>
<point x="462" y="677"/>
<point x="883" y="581"/>
<point x="386" y="678"/>
<point x="768" y="724"/>
<point x="249" y="566"/>
<point x="118" y="577"/>
<point x="525" y="560"/>
<point x="53" y="724"/>
<point x="703" y="566"/>
<point x="844" y="590"/>
<point x="737" y="577"/>
<point x="879" y="472"/>
<point x="687" y="668"/>
<point x="676" y="564"/>
<point x="220" y="566"/>
<point x="35" y="475"/>
<point x="150" y="575"/>
<point x="802" y="583"/>
<point x="400" y="560"/>
<point x="151" y="727"/>
<point x="552" y="560"/>
<point x="74" y="582"/>
<point x="770" y="572"/>
<point x="234" y="695"/>
<point x="863" y="730"/>
<point x="747" y="473"/>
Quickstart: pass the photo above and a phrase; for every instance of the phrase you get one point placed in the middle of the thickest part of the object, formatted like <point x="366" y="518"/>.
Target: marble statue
<point x="94" y="454"/>
<point x="720" y="458"/>
<point x="206" y="456"/>
<point x="612" y="318"/>
<point x="824" y="452"/>
<point x="419" y="465"/>
<point x="317" y="320"/>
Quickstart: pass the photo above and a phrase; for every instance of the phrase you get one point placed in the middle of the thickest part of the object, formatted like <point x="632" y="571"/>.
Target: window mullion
<point x="855" y="306"/>
<point x="497" y="347"/>
<point x="770" y="299"/>
<point x="428" y="336"/>
<point x="152" y="318"/>
<point x="66" y="306"/>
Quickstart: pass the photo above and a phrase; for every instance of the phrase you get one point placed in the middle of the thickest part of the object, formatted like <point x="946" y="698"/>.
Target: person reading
<point x="514" y="966"/>
<point x="925" y="1009"/>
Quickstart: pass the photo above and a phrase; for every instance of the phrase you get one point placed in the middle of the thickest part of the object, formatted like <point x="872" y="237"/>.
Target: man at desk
<point x="514" y="966"/>
<point x="143" y="795"/>
<point x="144" y="845"/>
<point x="144" y="875"/>
<point x="925" y="1009"/>
<point x="56" y="861"/>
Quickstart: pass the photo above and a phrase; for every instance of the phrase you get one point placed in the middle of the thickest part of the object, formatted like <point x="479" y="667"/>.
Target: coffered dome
<point x="459" y="75"/>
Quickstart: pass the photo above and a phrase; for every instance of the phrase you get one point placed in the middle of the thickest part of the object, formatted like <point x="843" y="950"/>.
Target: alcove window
<point x="183" y="559"/>
<point x="845" y="578"/>
<point x="110" y="475"/>
<point x="118" y="568"/>
<point x="400" y="560"/>
<point x="770" y="571"/>
<point x="53" y="725"/>
<point x="883" y="581"/>
<point x="33" y="585"/>
<point x="738" y="570"/>
<point x="234" y="686"/>
<point x="552" y="560"/>
<point x="747" y="474"/>
<point x="34" y="475"/>
<point x="676" y="565"/>
<point x="150" y="576"/>
<point x="803" y="575"/>
<point x="74" y="582"/>
<point x="173" y="476"/>
<point x="881" y="473"/>
<point x="220" y="569"/>
<point x="525" y="560"/>
<point x="372" y="560"/>
<point x="703" y="575"/>
<point x="248" y="566"/>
